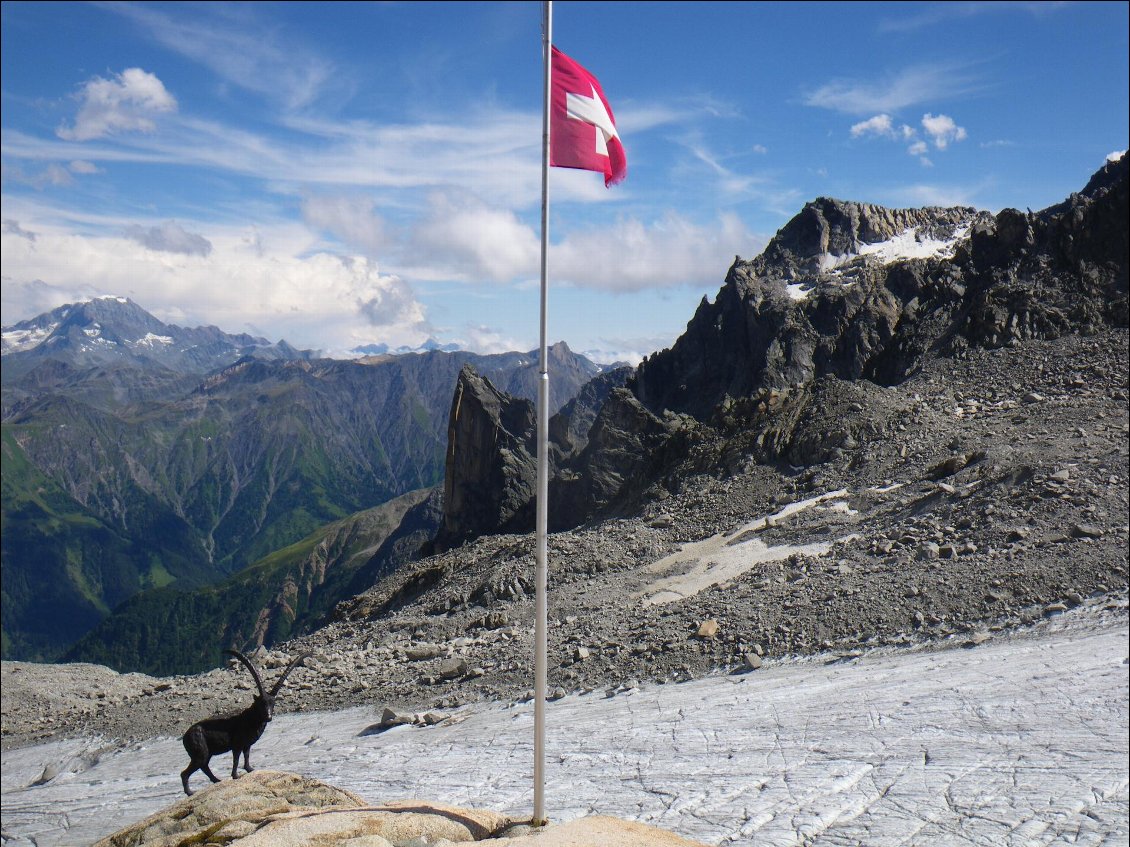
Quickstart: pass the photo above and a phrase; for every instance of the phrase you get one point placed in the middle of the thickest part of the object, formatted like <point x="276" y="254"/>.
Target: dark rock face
<point x="492" y="455"/>
<point x="621" y="443"/>
<point x="855" y="291"/>
<point x="569" y="428"/>
<point x="491" y="465"/>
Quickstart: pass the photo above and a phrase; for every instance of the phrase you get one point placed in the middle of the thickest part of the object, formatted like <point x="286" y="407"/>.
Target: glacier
<point x="1019" y="740"/>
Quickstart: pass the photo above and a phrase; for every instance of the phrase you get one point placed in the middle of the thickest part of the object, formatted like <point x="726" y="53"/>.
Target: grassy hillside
<point x="166" y="630"/>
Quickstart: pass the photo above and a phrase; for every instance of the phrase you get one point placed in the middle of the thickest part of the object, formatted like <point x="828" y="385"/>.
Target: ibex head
<point x="264" y="700"/>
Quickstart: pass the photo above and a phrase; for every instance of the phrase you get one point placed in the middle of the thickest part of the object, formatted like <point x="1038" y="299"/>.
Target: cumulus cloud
<point x="942" y="130"/>
<point x="472" y="243"/>
<point x="128" y="102"/>
<point x="170" y="237"/>
<point x="880" y="125"/>
<point x="353" y="220"/>
<point x="389" y="302"/>
<point x="476" y="242"/>
<point x="633" y="256"/>
<point x="1115" y="156"/>
<point x="485" y="339"/>
<point x="320" y="300"/>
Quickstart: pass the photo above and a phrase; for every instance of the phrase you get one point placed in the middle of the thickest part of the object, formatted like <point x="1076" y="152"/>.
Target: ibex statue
<point x="233" y="732"/>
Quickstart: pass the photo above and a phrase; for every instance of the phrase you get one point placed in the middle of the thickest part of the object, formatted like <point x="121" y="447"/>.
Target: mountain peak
<point x="828" y="232"/>
<point x="113" y="329"/>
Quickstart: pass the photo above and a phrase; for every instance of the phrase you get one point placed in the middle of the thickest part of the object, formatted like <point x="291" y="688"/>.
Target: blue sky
<point x="338" y="174"/>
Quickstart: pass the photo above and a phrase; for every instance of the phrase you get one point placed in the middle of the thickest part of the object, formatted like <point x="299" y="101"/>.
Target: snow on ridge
<point x="18" y="340"/>
<point x="152" y="339"/>
<point x="908" y="244"/>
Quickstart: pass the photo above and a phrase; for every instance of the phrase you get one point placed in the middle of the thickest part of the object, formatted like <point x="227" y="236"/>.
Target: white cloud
<point x="351" y="219"/>
<point x="1115" y="156"/>
<point x="942" y="130"/>
<point x="127" y="103"/>
<point x="926" y="194"/>
<point x="940" y="13"/>
<point x="78" y="166"/>
<point x="471" y="241"/>
<point x="917" y="84"/>
<point x="169" y="237"/>
<point x="321" y="300"/>
<point x="485" y="339"/>
<point x="633" y="256"/>
<point x="238" y="46"/>
<point x="879" y="125"/>
<point x="53" y="175"/>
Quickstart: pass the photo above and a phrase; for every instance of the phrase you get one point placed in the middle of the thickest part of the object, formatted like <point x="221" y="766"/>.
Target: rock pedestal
<point x="275" y="809"/>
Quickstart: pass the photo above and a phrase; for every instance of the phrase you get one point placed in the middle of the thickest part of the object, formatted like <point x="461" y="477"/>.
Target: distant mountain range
<point x="109" y="330"/>
<point x="429" y="346"/>
<point x="141" y="455"/>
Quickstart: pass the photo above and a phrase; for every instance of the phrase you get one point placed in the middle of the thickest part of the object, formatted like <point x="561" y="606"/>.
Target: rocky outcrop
<point x="569" y="428"/>
<point x="275" y="809"/>
<point x="858" y="291"/>
<point x="491" y="465"/>
<point x="623" y="440"/>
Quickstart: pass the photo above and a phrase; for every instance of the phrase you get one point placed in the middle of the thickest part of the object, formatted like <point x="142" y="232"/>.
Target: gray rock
<point x="453" y="669"/>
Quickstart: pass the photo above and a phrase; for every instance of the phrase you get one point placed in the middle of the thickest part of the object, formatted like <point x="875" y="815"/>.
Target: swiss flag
<point x="582" y="131"/>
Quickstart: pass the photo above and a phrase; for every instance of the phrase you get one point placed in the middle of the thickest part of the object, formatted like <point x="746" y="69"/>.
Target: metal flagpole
<point x="541" y="578"/>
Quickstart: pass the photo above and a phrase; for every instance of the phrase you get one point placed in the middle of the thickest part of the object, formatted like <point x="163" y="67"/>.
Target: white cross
<point x="590" y="110"/>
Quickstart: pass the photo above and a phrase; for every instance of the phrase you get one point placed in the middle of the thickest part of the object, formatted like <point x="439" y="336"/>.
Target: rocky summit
<point x="901" y="449"/>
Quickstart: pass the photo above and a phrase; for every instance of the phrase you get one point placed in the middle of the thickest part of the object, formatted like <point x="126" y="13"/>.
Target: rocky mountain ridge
<point x="850" y="292"/>
<point x="113" y="330"/>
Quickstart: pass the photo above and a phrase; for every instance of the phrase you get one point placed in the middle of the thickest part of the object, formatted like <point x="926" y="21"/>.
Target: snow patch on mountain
<point x="908" y="244"/>
<point x="15" y="340"/>
<point x="152" y="339"/>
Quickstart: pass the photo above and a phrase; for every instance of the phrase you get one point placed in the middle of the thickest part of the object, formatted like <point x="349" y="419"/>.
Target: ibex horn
<point x="293" y="664"/>
<point x="255" y="673"/>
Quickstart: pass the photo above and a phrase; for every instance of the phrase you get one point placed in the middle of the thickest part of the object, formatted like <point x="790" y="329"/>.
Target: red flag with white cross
<point x="582" y="130"/>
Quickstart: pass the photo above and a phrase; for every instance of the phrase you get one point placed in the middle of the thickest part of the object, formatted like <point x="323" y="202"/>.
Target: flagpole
<point x="541" y="578"/>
